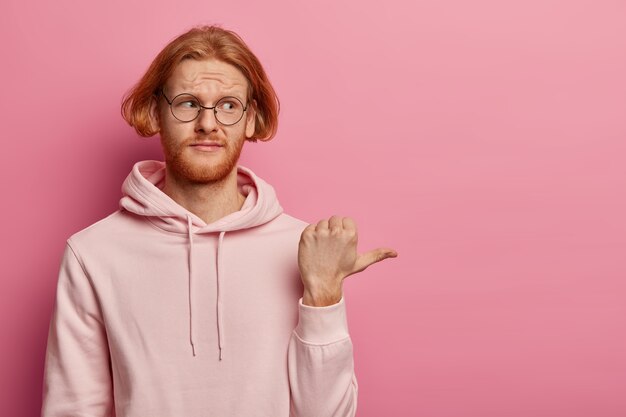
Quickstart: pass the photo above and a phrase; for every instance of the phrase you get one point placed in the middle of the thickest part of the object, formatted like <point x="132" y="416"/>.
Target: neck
<point x="208" y="200"/>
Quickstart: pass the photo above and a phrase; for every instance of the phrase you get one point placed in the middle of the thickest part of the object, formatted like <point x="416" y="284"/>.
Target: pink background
<point x="483" y="140"/>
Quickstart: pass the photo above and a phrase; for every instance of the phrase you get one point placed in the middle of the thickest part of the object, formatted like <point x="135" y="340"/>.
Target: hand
<point x="327" y="255"/>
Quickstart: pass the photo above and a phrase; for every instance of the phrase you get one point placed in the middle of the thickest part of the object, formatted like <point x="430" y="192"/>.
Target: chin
<point x="190" y="166"/>
<point x="202" y="172"/>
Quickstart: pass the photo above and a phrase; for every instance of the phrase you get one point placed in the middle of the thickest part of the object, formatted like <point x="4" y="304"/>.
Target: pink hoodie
<point x="158" y="314"/>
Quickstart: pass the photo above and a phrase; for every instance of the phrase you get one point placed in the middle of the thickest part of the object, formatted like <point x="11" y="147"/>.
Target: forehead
<point x="206" y="76"/>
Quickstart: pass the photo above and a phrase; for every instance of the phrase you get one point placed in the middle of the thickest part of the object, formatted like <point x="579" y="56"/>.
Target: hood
<point x="142" y="195"/>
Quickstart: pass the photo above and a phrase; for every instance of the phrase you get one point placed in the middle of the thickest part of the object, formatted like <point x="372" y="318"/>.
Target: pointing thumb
<point x="376" y="255"/>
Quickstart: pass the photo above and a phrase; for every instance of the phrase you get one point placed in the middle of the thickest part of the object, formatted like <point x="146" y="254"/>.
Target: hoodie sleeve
<point x="321" y="363"/>
<point x="77" y="376"/>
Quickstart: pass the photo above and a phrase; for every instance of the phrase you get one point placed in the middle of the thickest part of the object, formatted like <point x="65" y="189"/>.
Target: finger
<point x="335" y="224"/>
<point x="368" y="258"/>
<point x="349" y="224"/>
<point x="309" y="228"/>
<point x="321" y="225"/>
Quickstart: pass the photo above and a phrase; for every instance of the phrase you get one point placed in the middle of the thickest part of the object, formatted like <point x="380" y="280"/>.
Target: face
<point x="208" y="80"/>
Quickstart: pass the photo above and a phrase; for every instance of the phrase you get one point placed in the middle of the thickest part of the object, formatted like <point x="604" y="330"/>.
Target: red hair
<point x="204" y="42"/>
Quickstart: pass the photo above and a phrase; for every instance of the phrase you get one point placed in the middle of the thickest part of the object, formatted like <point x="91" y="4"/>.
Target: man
<point x="200" y="296"/>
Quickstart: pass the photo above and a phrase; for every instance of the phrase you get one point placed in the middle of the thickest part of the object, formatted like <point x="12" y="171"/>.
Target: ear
<point x="251" y="119"/>
<point x="153" y="114"/>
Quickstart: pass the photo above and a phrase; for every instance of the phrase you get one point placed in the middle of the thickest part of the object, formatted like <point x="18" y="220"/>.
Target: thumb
<point x="368" y="258"/>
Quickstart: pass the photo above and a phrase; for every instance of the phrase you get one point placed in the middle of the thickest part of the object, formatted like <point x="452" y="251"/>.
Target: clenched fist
<point x="327" y="254"/>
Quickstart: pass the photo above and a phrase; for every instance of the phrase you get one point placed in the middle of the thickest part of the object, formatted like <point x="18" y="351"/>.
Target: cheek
<point x="177" y="133"/>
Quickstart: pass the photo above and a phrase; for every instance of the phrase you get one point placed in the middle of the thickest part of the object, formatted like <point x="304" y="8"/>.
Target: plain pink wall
<point x="483" y="140"/>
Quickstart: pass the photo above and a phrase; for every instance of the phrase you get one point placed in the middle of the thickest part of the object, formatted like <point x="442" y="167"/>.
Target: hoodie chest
<point x="247" y="283"/>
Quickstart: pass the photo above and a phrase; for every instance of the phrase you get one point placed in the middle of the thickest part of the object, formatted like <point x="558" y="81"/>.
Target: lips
<point x="206" y="144"/>
<point x="207" y="147"/>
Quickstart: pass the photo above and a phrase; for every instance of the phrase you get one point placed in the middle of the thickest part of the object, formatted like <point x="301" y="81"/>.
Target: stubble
<point x="193" y="166"/>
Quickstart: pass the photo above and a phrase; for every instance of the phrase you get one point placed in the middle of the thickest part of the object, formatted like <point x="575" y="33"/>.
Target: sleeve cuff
<point x="322" y="325"/>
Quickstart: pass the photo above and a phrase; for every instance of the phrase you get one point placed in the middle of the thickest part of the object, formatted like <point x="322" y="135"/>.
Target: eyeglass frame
<point x="214" y="108"/>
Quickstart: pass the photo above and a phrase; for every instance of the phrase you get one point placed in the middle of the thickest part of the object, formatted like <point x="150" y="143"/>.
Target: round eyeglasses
<point x="186" y="108"/>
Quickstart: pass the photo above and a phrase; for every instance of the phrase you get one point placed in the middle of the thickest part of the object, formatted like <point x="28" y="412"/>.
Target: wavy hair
<point x="204" y="42"/>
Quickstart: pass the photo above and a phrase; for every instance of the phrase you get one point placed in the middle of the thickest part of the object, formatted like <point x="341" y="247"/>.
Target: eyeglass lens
<point x="186" y="107"/>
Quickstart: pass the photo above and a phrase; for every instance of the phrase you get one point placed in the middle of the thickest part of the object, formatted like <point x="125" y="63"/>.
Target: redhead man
<point x="199" y="296"/>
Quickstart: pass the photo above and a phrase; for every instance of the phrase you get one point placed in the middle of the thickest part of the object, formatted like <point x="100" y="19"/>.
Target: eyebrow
<point x="236" y="94"/>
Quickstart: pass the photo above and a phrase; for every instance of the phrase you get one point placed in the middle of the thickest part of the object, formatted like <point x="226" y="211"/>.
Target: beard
<point x="191" y="166"/>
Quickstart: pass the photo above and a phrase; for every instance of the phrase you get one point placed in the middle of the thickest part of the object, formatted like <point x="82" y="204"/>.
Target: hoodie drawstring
<point x="219" y="300"/>
<point x="193" y="347"/>
<point x="220" y="327"/>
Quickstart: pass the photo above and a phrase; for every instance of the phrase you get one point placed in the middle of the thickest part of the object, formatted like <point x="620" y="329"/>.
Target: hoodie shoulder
<point x="104" y="230"/>
<point x="292" y="222"/>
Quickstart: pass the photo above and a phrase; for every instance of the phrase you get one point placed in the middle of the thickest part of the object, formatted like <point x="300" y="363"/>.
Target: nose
<point x="206" y="121"/>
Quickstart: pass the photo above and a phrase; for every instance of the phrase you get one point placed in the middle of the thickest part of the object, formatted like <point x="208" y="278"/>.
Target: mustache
<point x="197" y="140"/>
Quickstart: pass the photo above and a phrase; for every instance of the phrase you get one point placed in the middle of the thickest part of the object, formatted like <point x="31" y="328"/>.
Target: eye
<point x="229" y="105"/>
<point x="188" y="104"/>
